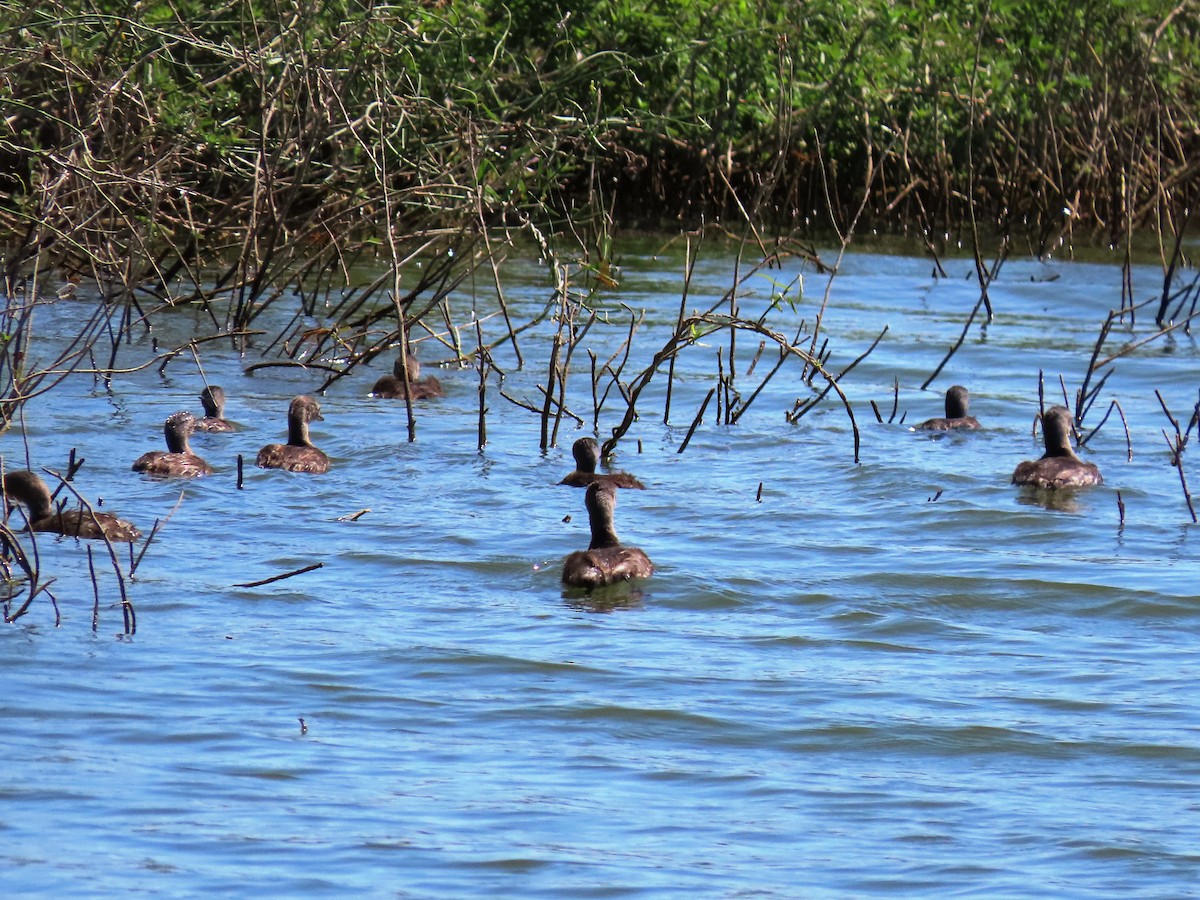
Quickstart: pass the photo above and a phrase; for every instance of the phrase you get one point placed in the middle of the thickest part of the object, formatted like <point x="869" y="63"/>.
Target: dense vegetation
<point x="169" y="126"/>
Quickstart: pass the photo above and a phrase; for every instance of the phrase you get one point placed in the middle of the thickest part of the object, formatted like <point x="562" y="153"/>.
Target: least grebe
<point x="178" y="461"/>
<point x="1059" y="467"/>
<point x="391" y="387"/>
<point x="605" y="561"/>
<point x="213" y="399"/>
<point x="958" y="399"/>
<point x="298" y="454"/>
<point x="28" y="488"/>
<point x="586" y="451"/>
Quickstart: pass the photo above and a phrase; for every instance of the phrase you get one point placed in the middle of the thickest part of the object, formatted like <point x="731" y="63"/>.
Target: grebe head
<point x="213" y="400"/>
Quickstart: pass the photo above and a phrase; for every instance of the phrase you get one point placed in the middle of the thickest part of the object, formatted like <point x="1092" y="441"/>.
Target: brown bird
<point x="178" y="461"/>
<point x="586" y="451"/>
<point x="605" y="561"/>
<point x="298" y="454"/>
<point x="27" y="488"/>
<point x="213" y="399"/>
<point x="1059" y="467"/>
<point x="957" y="400"/>
<point x="391" y="387"/>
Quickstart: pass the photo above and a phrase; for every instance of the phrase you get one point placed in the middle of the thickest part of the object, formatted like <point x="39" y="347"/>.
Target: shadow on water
<point x="607" y="599"/>
<point x="1061" y="500"/>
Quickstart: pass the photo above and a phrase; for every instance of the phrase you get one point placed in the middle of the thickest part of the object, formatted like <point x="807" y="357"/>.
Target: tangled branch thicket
<point x="146" y="142"/>
<point x="246" y="154"/>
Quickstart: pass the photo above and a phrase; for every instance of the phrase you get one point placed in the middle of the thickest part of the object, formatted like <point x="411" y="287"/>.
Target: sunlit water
<point x="901" y="677"/>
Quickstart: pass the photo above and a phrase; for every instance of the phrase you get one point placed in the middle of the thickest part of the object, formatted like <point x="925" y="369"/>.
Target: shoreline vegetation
<point x="238" y="155"/>
<point x="204" y="120"/>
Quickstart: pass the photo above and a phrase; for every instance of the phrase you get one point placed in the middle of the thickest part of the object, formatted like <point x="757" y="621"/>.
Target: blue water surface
<point x="897" y="676"/>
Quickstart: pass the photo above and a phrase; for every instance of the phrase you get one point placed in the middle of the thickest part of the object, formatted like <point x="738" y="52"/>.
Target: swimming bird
<point x="391" y="387"/>
<point x="298" y="454"/>
<point x="178" y="460"/>
<point x="213" y="399"/>
<point x="1059" y="467"/>
<point x="957" y="400"/>
<point x="605" y="561"/>
<point x="28" y="488"/>
<point x="586" y="451"/>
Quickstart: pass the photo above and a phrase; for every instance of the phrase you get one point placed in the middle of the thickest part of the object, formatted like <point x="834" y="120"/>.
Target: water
<point x="848" y="688"/>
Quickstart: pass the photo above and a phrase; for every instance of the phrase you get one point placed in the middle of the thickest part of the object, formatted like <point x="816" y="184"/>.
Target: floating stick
<point x="251" y="584"/>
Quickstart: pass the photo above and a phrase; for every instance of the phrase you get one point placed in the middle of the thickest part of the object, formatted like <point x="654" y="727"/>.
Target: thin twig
<point x="301" y="571"/>
<point x="696" y="421"/>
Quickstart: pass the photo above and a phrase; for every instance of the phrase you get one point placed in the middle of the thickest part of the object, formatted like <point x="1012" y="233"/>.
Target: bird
<point x="28" y="488"/>
<point x="177" y="460"/>
<point x="586" y="451"/>
<point x="213" y="399"/>
<point x="298" y="454"/>
<point x="1059" y="467"/>
<point x="391" y="387"/>
<point x="605" y="561"/>
<point x="957" y="400"/>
